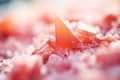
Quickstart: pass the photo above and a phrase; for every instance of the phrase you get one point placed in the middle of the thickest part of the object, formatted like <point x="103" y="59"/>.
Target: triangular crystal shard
<point x="64" y="36"/>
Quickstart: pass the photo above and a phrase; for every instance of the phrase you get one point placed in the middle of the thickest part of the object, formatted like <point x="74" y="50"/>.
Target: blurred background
<point x="27" y="11"/>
